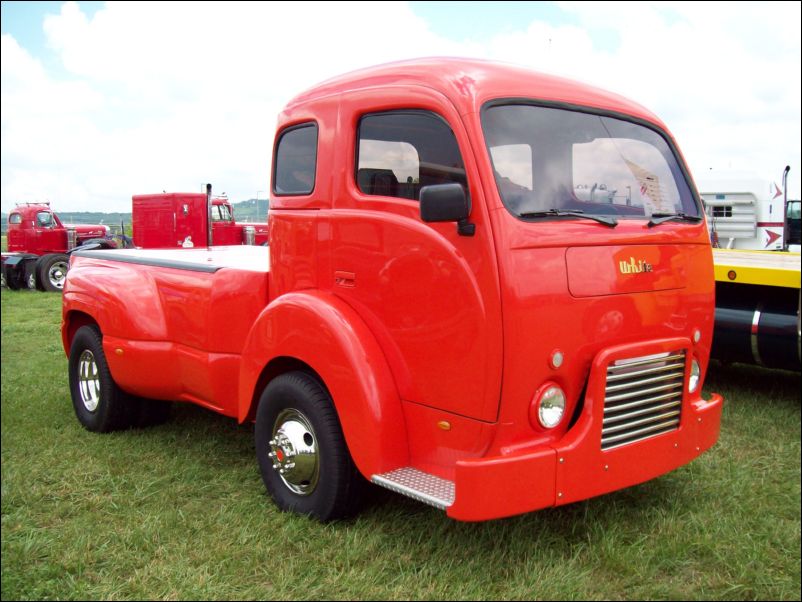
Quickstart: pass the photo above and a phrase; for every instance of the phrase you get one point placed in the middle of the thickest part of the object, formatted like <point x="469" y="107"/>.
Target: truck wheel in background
<point x="36" y="268"/>
<point x="12" y="278"/>
<point x="53" y="271"/>
<point x="302" y="453"/>
<point x="31" y="277"/>
<point x="100" y="405"/>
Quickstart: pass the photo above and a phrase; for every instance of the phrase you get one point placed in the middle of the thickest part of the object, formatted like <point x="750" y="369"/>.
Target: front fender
<point x="325" y="333"/>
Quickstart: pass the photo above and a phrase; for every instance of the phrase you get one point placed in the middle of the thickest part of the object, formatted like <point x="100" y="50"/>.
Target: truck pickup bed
<point x="180" y="316"/>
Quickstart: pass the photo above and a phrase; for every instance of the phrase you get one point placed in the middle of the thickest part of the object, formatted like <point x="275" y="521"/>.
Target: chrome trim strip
<point x="622" y="396"/>
<point x="639" y="383"/>
<point x="636" y="413"/>
<point x="647" y="436"/>
<point x="754" y="333"/>
<point x="623" y="364"/>
<point x="648" y="420"/>
<point x="617" y="377"/>
<point x="642" y="402"/>
<point x="668" y="424"/>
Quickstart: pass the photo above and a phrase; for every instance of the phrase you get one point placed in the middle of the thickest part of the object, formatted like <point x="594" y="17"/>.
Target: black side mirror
<point x="447" y="203"/>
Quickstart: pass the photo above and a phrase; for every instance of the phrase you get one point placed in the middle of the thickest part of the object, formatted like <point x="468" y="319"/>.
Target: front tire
<point x="302" y="454"/>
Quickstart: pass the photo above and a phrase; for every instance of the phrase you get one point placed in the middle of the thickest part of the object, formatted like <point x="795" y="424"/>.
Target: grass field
<point x="179" y="511"/>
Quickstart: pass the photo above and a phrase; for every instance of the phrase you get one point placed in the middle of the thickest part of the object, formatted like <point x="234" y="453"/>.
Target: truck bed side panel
<point x="170" y="332"/>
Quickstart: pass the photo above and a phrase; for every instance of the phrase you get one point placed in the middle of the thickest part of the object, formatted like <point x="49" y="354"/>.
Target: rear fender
<point x="326" y="334"/>
<point x="122" y="300"/>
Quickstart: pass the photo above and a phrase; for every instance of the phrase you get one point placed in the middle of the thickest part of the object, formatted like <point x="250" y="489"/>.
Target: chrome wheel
<point x="57" y="274"/>
<point x="88" y="381"/>
<point x="294" y="452"/>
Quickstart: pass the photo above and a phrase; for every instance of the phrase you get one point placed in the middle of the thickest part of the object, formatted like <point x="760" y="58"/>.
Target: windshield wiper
<point x="602" y="219"/>
<point x="659" y="218"/>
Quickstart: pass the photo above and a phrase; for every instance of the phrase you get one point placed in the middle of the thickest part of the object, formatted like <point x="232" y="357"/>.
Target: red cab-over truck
<point x="487" y="289"/>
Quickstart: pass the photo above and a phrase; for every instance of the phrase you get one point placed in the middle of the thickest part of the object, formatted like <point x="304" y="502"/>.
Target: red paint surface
<point x="409" y="324"/>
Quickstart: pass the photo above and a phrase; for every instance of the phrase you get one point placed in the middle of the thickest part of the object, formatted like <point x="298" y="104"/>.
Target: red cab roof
<point x="469" y="83"/>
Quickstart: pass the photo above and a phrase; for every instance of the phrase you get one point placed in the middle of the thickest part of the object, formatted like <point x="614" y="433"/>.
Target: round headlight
<point x="551" y="407"/>
<point x="696" y="373"/>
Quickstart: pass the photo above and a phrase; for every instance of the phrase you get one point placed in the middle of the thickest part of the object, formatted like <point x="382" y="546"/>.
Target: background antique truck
<point x="445" y="308"/>
<point x="38" y="244"/>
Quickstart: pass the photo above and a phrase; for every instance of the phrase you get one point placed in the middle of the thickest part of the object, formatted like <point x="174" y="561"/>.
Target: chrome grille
<point x="643" y="398"/>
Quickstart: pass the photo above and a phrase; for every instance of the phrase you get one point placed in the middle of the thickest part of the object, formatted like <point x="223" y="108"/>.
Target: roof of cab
<point x="469" y="83"/>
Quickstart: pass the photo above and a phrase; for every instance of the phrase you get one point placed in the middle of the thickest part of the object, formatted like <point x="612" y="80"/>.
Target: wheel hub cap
<point x="57" y="274"/>
<point x="88" y="381"/>
<point x="294" y="452"/>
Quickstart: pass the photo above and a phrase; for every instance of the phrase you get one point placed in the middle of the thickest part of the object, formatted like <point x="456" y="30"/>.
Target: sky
<point x="104" y="100"/>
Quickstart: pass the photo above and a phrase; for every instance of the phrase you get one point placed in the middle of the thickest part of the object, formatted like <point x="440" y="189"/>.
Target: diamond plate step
<point x="418" y="485"/>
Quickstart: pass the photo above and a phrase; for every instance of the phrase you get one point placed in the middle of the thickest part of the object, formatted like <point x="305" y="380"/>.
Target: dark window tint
<point x="15" y="218"/>
<point x="400" y="152"/>
<point x="296" y="158"/>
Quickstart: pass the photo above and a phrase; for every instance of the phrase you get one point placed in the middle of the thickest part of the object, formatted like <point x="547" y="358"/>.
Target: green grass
<point x="179" y="511"/>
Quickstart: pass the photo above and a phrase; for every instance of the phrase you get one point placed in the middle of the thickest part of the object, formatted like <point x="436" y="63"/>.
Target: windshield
<point x="555" y="159"/>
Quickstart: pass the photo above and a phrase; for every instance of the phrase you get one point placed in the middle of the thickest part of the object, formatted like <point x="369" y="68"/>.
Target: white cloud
<point x="161" y="95"/>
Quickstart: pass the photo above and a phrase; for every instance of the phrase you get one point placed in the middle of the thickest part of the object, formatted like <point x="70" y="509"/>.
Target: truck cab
<point x="487" y="289"/>
<point x="175" y="220"/>
<point x="34" y="228"/>
<point x="37" y="245"/>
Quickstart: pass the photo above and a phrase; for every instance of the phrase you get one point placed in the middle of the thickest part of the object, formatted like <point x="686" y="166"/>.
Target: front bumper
<point x="575" y="467"/>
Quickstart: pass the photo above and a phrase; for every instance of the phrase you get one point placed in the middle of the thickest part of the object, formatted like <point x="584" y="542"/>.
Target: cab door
<point x="429" y="293"/>
<point x="50" y="235"/>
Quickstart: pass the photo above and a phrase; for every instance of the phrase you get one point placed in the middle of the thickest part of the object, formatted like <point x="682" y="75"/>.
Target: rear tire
<point x="99" y="404"/>
<point x="31" y="279"/>
<point x="12" y="277"/>
<point x="36" y="268"/>
<point x="302" y="454"/>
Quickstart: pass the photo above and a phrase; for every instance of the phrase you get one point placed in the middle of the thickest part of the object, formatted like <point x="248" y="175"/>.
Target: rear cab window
<point x="296" y="160"/>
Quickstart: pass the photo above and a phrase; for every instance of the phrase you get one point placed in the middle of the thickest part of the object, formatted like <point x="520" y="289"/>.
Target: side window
<point x="296" y="159"/>
<point x="399" y="152"/>
<point x="725" y="211"/>
<point x="44" y="219"/>
<point x="15" y="218"/>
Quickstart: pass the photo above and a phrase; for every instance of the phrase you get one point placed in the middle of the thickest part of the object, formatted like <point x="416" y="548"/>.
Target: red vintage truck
<point x="38" y="243"/>
<point x="181" y="219"/>
<point x="444" y="310"/>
